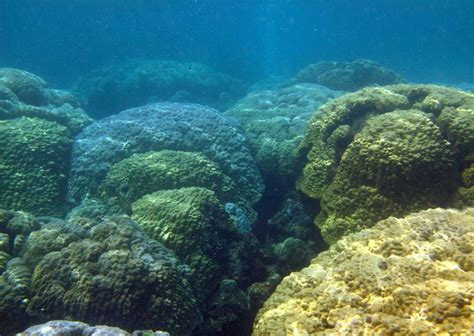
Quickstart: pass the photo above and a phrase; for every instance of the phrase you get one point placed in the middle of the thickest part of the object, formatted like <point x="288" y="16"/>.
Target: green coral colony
<point x="156" y="218"/>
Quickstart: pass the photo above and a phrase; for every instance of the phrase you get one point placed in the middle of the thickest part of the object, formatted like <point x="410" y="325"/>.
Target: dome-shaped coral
<point x="386" y="151"/>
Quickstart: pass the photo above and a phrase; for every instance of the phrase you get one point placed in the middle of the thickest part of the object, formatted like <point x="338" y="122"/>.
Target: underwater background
<point x="204" y="167"/>
<point x="425" y="40"/>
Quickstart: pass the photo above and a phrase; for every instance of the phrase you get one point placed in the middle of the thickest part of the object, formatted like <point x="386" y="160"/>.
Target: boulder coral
<point x="145" y="173"/>
<point x="386" y="151"/>
<point x="34" y="165"/>
<point x="406" y="276"/>
<point x="25" y="94"/>
<point x="157" y="127"/>
<point x="62" y="327"/>
<point x="108" y="273"/>
<point x="223" y="261"/>
<point x="111" y="89"/>
<point x="25" y="85"/>
<point x="274" y="122"/>
<point x="193" y="223"/>
<point x="347" y="76"/>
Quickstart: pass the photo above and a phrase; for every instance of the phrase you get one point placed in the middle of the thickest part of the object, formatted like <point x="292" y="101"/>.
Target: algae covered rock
<point x="34" y="165"/>
<point x="411" y="275"/>
<point x="385" y="151"/>
<point x="112" y="274"/>
<point x="145" y="173"/>
<point x="157" y="127"/>
<point x="348" y="76"/>
<point x="111" y="89"/>
<point x="275" y="121"/>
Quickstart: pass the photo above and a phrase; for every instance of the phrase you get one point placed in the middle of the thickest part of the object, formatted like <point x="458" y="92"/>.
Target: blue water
<point x="425" y="40"/>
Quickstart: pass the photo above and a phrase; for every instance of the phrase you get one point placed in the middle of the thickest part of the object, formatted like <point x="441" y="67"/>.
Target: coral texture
<point x="193" y="223"/>
<point x="108" y="273"/>
<point x="25" y="94"/>
<point x="172" y="126"/>
<point x="145" y="173"/>
<point x="275" y="121"/>
<point x="404" y="276"/>
<point x="386" y="151"/>
<point x="34" y="160"/>
<point x="15" y="276"/>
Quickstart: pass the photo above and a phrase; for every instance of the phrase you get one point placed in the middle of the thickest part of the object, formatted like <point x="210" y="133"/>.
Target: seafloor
<point x="167" y="198"/>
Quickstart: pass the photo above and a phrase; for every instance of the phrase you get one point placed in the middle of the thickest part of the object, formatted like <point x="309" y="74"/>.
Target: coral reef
<point x="291" y="220"/>
<point x="112" y="89"/>
<point x="292" y="236"/>
<point x="275" y="121"/>
<point x="404" y="276"/>
<point x="193" y="223"/>
<point x="145" y="173"/>
<point x="172" y="126"/>
<point x="464" y="195"/>
<point x="108" y="273"/>
<point x="25" y="94"/>
<point x="25" y="85"/>
<point x="15" y="276"/>
<point x="229" y="304"/>
<point x="386" y="151"/>
<point x="347" y="76"/>
<point x="34" y="165"/>
<point x="70" y="328"/>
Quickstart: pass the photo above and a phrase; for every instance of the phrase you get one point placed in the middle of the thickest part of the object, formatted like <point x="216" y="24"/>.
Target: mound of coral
<point x="275" y="121"/>
<point x="36" y="129"/>
<point x="348" y="76"/>
<point x="25" y="94"/>
<point x="174" y="216"/>
<point x="145" y="173"/>
<point x="194" y="224"/>
<point x="388" y="151"/>
<point x="164" y="126"/>
<point x="404" y="276"/>
<point x="97" y="272"/>
<point x="111" y="89"/>
<point x="34" y="159"/>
